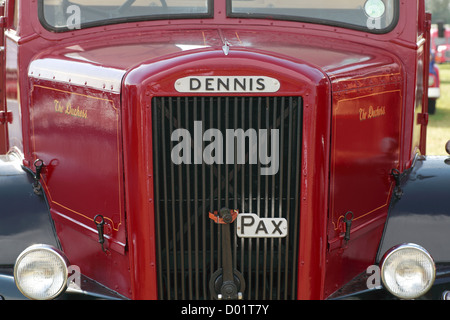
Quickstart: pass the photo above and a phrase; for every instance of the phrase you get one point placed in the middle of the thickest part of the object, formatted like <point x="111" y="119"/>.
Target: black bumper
<point x="357" y="289"/>
<point x="90" y="290"/>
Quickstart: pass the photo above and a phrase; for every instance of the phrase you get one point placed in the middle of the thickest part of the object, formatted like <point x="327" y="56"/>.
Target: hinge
<point x="428" y="22"/>
<point x="398" y="192"/>
<point x="39" y="165"/>
<point x="399" y="176"/>
<point x="3" y="23"/>
<point x="422" y="119"/>
<point x="6" y="117"/>
<point x="102" y="229"/>
<point x="348" y="219"/>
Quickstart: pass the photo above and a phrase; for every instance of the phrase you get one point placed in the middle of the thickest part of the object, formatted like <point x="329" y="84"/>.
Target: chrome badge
<point x="227" y="84"/>
<point x="250" y="225"/>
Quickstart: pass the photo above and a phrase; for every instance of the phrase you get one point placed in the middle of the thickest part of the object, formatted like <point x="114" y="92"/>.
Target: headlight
<point x="41" y="272"/>
<point x="408" y="271"/>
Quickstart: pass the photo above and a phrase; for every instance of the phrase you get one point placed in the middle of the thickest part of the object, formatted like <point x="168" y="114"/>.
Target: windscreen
<point x="372" y="15"/>
<point x="62" y="15"/>
<point x="369" y="15"/>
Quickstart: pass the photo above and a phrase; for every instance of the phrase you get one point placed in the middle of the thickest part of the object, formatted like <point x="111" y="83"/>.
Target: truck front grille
<point x="188" y="242"/>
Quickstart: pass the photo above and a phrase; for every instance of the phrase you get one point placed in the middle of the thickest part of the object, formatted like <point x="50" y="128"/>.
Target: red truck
<point x="212" y="149"/>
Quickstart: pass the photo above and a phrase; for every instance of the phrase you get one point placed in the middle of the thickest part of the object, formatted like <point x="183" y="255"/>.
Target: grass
<point x="439" y="123"/>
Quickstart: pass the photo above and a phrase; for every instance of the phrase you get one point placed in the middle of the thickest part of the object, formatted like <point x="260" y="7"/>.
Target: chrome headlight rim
<point x="395" y="250"/>
<point x="59" y="255"/>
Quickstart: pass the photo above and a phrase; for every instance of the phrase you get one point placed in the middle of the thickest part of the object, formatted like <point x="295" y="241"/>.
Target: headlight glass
<point x="408" y="271"/>
<point x="41" y="272"/>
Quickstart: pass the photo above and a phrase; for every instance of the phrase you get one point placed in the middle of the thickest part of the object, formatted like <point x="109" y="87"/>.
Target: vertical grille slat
<point x="188" y="243"/>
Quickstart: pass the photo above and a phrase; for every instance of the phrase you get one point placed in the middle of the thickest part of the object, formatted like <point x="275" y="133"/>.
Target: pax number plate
<point x="250" y="225"/>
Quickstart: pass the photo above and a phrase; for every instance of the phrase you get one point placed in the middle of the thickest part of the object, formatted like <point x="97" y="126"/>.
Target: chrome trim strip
<point x="77" y="73"/>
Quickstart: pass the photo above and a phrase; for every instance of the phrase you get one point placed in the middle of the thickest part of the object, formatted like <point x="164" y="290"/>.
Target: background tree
<point x="439" y="9"/>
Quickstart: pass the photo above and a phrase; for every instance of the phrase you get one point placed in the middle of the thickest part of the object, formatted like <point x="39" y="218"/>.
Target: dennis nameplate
<point x="227" y="84"/>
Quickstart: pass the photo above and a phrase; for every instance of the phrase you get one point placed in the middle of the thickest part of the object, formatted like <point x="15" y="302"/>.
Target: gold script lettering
<point x="373" y="112"/>
<point x="70" y="111"/>
<point x="58" y="107"/>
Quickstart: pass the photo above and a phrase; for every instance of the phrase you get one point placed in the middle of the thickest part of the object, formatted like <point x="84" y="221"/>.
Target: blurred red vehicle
<point x="441" y="45"/>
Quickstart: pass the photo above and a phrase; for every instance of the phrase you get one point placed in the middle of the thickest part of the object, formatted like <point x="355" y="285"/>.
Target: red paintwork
<point x="102" y="163"/>
<point x="3" y="132"/>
